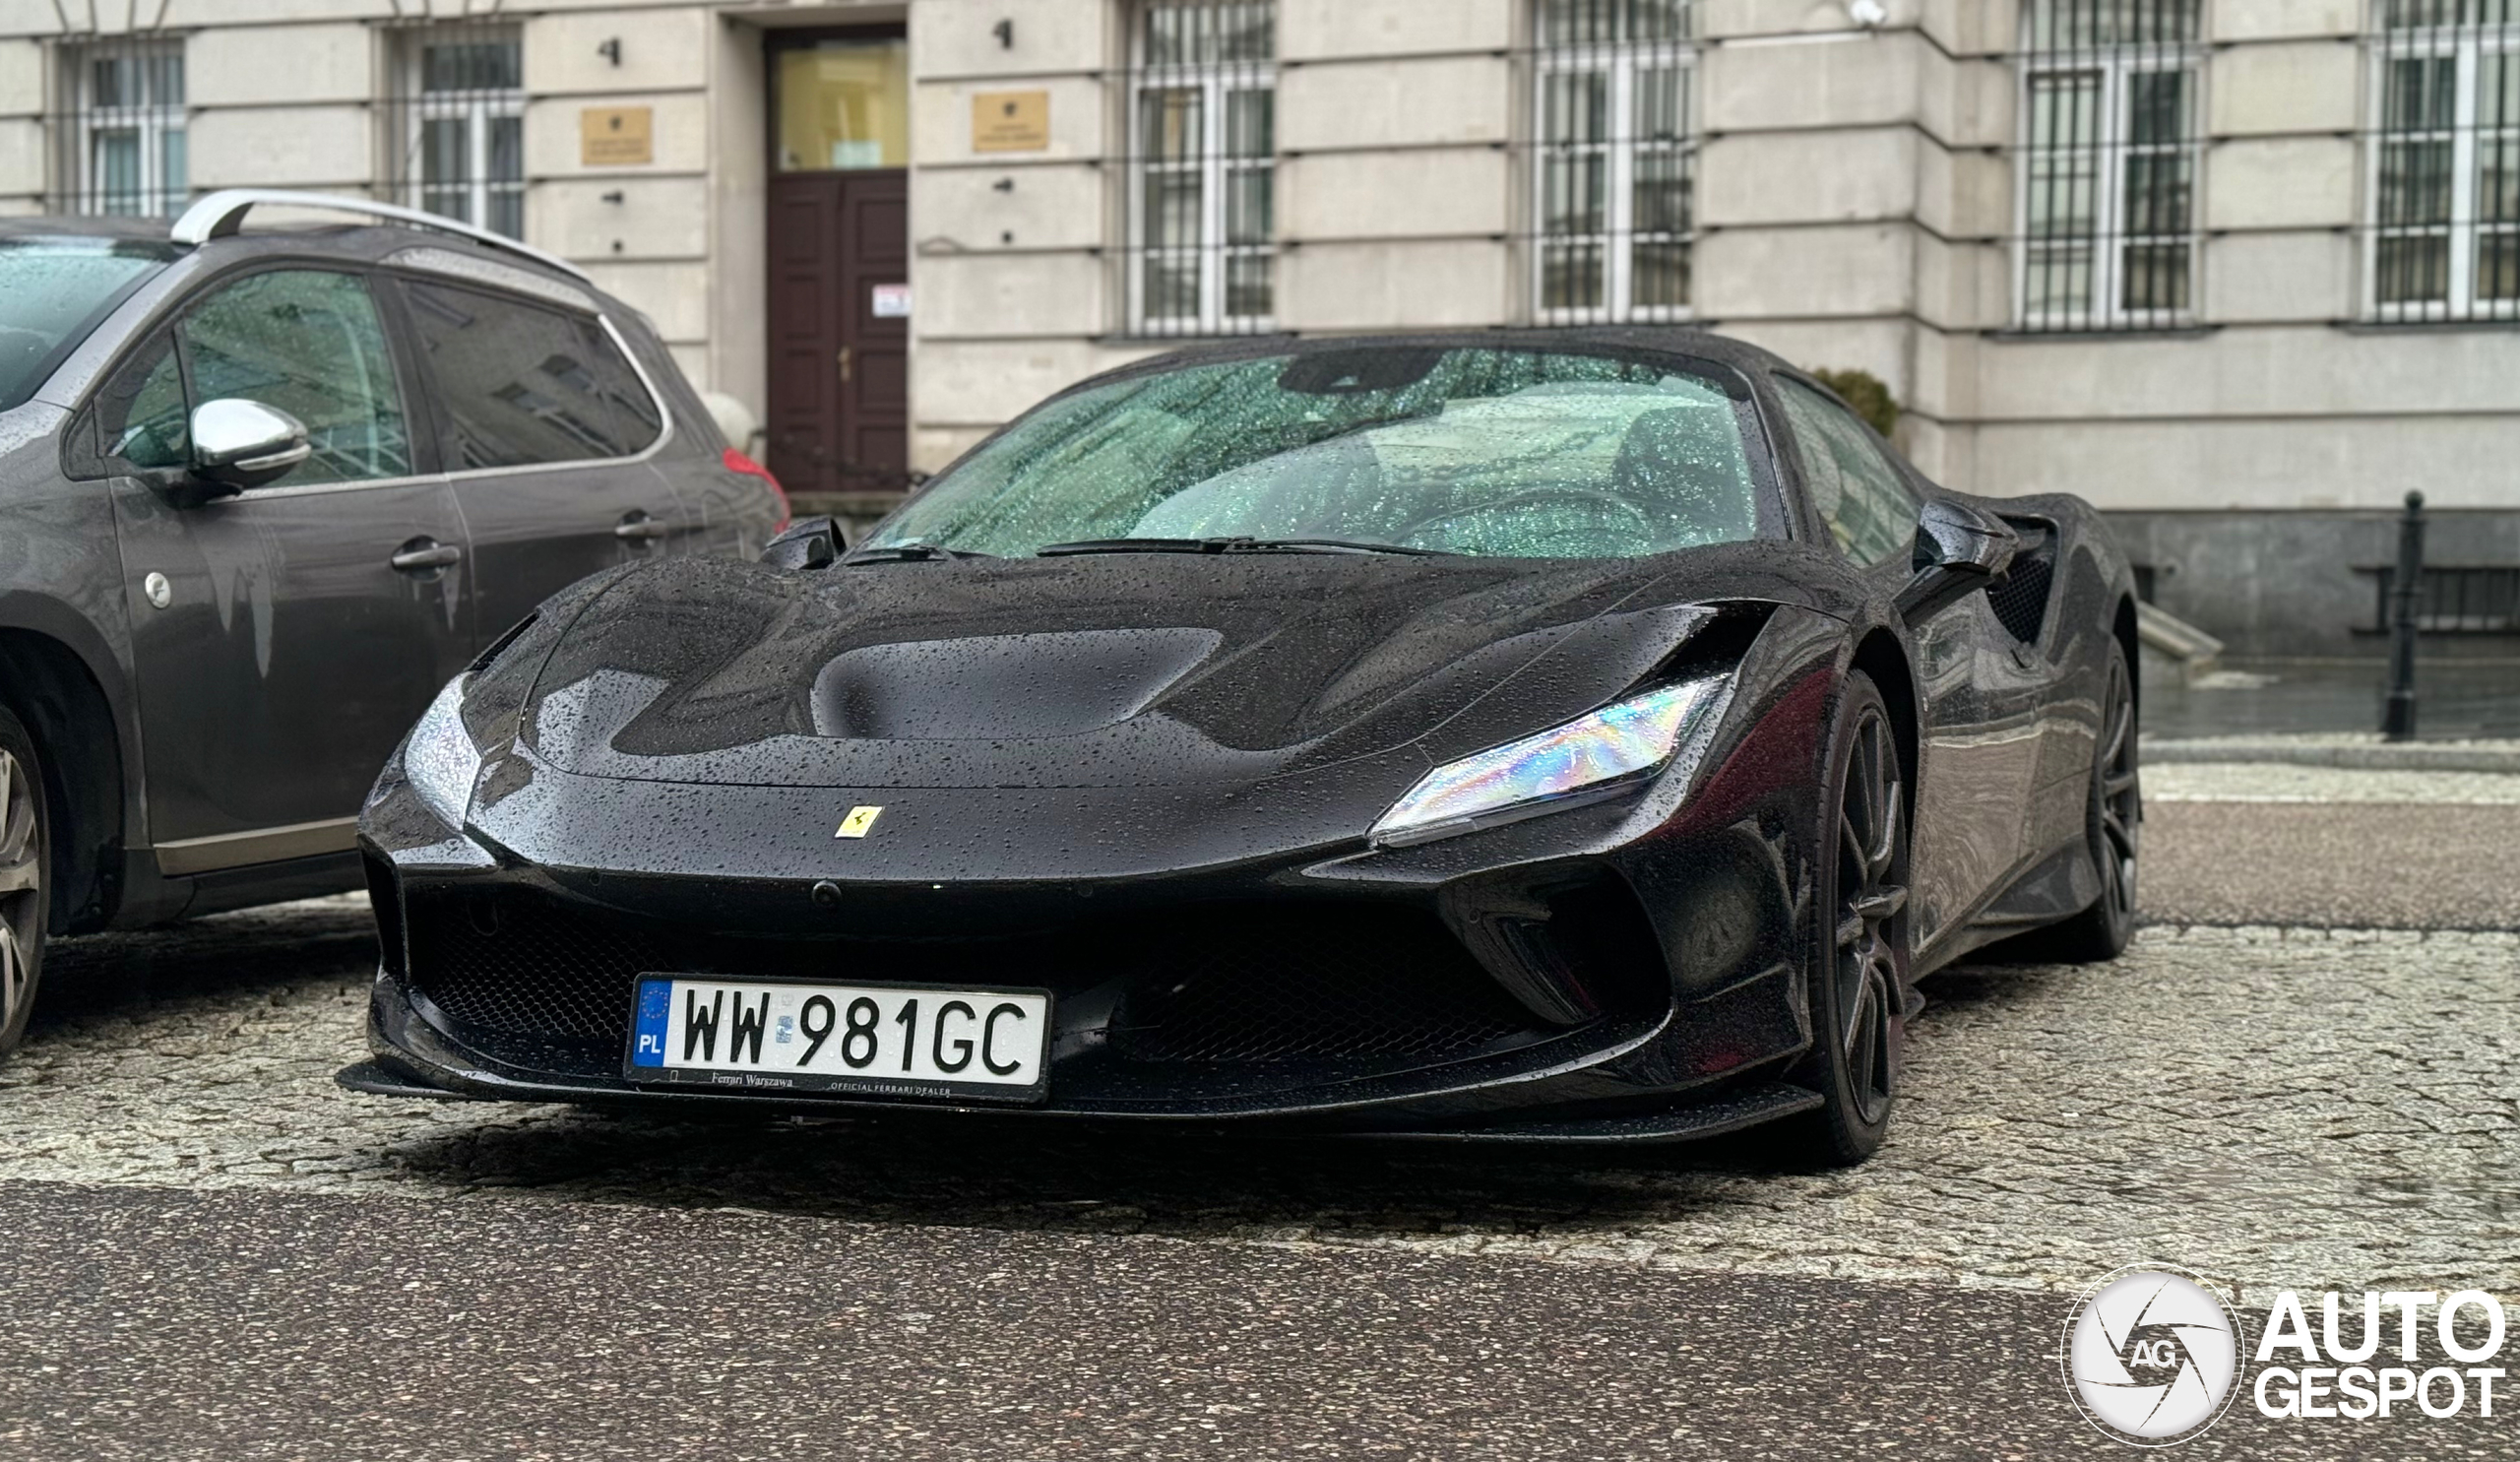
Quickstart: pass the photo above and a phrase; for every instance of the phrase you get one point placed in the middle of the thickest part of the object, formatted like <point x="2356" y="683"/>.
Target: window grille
<point x="2110" y="109"/>
<point x="2444" y="161"/>
<point x="2454" y="600"/>
<point x="1615" y="172"/>
<point x="1202" y="207"/>
<point x="120" y="137"/>
<point x="456" y="106"/>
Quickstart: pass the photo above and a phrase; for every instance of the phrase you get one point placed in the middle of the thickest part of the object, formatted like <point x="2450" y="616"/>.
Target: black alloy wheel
<point x="22" y="849"/>
<point x="1859" y="975"/>
<point x="2115" y="827"/>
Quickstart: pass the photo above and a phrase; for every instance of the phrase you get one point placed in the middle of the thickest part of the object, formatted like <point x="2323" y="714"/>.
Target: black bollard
<point x="2397" y="722"/>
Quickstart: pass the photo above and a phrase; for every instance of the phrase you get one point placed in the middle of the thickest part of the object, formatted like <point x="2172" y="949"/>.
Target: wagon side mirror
<point x="239" y="444"/>
<point x="806" y="544"/>
<point x="1959" y="551"/>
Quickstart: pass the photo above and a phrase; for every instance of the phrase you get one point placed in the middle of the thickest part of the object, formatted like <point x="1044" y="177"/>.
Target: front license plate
<point x="879" y="1039"/>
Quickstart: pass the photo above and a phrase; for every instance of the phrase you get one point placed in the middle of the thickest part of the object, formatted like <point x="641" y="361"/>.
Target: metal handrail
<point x="223" y="214"/>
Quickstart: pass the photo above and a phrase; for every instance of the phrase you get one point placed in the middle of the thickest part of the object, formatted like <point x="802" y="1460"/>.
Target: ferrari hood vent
<point x="1061" y="684"/>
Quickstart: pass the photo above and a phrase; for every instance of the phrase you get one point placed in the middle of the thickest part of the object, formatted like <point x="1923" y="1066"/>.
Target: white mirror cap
<point x="240" y="433"/>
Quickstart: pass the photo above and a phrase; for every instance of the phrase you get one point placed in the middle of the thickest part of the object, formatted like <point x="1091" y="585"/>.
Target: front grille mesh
<point x="521" y="968"/>
<point x="1258" y="985"/>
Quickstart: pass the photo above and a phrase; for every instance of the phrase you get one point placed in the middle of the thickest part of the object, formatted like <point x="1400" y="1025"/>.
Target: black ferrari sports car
<point x="1526" y="735"/>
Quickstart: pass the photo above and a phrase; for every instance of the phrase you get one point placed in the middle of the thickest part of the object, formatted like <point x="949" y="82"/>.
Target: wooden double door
<point x="840" y="330"/>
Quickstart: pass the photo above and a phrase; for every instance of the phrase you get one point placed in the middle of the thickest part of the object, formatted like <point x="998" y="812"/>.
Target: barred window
<point x="2107" y="180"/>
<point x="1203" y="181"/>
<point x="459" y="120"/>
<point x="2445" y="161"/>
<point x="1617" y="164"/>
<point x="124" y="143"/>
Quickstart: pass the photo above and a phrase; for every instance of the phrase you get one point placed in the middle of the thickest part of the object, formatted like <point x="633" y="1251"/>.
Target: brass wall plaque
<point x="1010" y="121"/>
<point x="616" y="136"/>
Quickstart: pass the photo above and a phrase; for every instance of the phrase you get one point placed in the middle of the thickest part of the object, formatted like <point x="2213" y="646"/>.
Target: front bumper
<point x="1628" y="969"/>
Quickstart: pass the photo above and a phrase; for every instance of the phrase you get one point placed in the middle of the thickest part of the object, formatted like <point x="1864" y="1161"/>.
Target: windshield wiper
<point x="908" y="553"/>
<point x="1228" y="545"/>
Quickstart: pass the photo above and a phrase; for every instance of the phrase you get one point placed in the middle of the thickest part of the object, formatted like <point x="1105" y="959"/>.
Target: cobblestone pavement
<point x="2278" y="1107"/>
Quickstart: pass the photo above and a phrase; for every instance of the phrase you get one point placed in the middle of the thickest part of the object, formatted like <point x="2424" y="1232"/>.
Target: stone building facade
<point x="2242" y="271"/>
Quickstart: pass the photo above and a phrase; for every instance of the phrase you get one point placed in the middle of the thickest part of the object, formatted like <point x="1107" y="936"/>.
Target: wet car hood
<point x="1107" y="670"/>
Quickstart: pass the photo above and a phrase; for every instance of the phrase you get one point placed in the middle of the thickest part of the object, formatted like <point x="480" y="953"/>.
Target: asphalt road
<point x="235" y="1325"/>
<point x="219" y="1254"/>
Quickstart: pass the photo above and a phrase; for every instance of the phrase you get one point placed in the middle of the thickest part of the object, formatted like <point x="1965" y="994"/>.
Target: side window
<point x="140" y="417"/>
<point x="307" y="341"/>
<point x="635" y="419"/>
<point x="1870" y="510"/>
<point x="524" y="384"/>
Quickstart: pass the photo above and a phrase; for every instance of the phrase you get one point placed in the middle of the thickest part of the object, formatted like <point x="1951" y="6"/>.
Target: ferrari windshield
<point x="1477" y="450"/>
<point x="52" y="293"/>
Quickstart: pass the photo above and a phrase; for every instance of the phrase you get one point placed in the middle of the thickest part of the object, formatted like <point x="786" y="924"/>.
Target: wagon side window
<point x="1869" y="507"/>
<point x="309" y="341"/>
<point x="527" y="386"/>
<point x="140" y="412"/>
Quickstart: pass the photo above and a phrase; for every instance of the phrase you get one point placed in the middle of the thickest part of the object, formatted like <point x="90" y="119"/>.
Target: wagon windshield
<point x="1476" y="451"/>
<point x="52" y="293"/>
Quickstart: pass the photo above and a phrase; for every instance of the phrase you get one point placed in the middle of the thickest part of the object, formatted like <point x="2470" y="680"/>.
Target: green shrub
<point x="1864" y="392"/>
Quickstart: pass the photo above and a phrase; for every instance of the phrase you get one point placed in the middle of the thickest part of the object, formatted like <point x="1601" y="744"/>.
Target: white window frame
<point x="154" y="120"/>
<point x="1620" y="60"/>
<point x="2117" y="64"/>
<point x="1213" y="81"/>
<point x="474" y="108"/>
<point x="2465" y="232"/>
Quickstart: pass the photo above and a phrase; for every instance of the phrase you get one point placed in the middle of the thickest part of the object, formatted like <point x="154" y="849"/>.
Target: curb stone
<point x="2359" y="753"/>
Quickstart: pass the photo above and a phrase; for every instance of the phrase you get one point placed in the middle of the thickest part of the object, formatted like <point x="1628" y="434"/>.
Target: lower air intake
<point x="1312" y="984"/>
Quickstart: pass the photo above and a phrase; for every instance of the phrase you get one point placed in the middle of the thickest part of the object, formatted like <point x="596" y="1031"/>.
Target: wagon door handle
<point x="637" y="528"/>
<point x="845" y="357"/>
<point x="423" y="555"/>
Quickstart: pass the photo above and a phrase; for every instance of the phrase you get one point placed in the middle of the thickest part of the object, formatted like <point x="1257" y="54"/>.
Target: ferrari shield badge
<point x="859" y="822"/>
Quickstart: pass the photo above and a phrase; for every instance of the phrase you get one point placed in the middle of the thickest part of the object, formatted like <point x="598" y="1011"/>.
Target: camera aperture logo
<point x="2151" y="1355"/>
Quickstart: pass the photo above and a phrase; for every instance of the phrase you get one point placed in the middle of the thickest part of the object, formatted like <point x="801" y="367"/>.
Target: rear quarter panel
<point x="726" y="514"/>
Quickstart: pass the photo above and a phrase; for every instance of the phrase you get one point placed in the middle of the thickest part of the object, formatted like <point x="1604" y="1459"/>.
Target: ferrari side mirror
<point x="806" y="544"/>
<point x="1959" y="550"/>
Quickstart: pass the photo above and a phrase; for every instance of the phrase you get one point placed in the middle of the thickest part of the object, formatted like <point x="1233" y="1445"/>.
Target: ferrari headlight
<point x="440" y="760"/>
<point x="1590" y="753"/>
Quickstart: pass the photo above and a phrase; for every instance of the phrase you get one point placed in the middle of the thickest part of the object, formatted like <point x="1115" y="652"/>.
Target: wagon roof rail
<point x="223" y="214"/>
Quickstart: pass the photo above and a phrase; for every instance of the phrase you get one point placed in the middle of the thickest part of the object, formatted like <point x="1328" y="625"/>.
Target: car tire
<point x="1860" y="938"/>
<point x="2114" y="825"/>
<point x="26" y="865"/>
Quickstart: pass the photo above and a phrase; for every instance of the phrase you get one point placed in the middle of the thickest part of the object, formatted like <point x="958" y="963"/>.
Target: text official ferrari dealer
<point x="1575" y="734"/>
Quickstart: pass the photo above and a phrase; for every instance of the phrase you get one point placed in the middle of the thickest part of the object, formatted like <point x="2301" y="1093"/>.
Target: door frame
<point x="775" y="41"/>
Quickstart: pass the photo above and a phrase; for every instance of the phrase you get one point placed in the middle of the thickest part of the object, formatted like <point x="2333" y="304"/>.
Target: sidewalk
<point x="2455" y="700"/>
